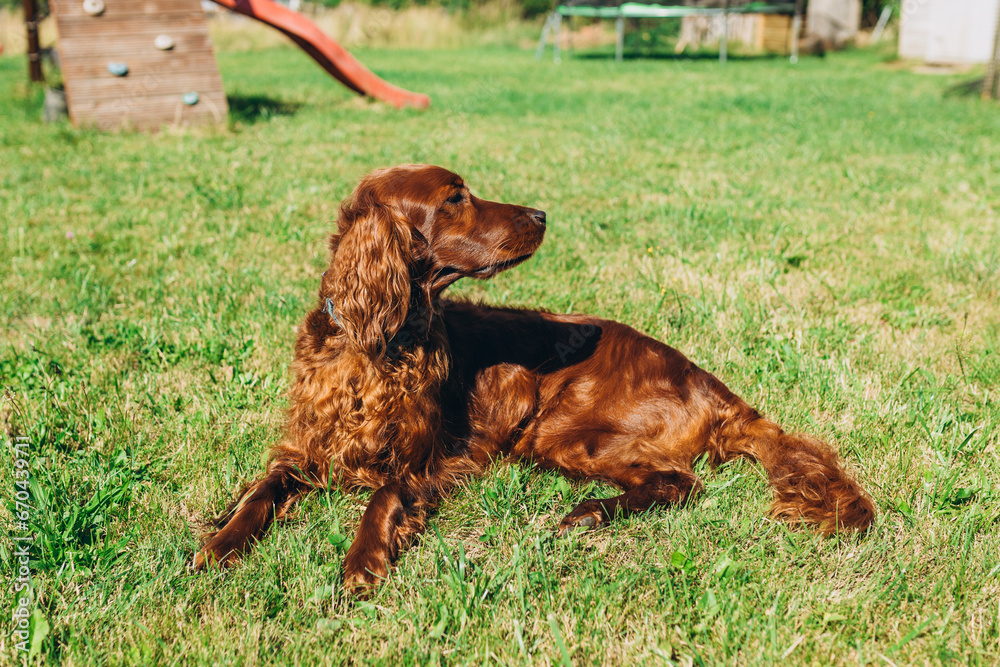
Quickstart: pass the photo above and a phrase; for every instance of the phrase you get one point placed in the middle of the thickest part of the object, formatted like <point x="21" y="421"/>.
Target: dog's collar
<point x="331" y="311"/>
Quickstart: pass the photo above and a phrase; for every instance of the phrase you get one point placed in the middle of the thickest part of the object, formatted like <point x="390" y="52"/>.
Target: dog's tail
<point x="249" y="516"/>
<point x="809" y="483"/>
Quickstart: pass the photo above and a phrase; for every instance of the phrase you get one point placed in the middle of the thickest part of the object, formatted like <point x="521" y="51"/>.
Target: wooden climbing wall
<point x="176" y="86"/>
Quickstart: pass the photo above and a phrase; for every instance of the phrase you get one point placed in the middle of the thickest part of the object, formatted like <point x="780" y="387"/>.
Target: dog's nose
<point x="538" y="216"/>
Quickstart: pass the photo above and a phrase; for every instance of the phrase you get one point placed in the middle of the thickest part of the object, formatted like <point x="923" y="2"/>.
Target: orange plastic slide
<point x="334" y="58"/>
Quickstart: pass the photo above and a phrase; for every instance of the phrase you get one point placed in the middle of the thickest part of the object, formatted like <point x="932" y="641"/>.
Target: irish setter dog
<point x="405" y="393"/>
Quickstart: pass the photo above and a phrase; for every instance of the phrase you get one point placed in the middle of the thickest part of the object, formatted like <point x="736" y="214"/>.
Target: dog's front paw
<point x="214" y="553"/>
<point x="202" y="560"/>
<point x="363" y="573"/>
<point x="588" y="514"/>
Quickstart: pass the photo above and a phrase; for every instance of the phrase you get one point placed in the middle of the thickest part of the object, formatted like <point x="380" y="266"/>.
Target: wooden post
<point x="991" y="86"/>
<point x="34" y="50"/>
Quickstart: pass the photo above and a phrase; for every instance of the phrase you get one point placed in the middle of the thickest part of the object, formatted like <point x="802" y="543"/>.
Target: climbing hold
<point x="164" y="42"/>
<point x="118" y="69"/>
<point x="93" y="7"/>
<point x="190" y="99"/>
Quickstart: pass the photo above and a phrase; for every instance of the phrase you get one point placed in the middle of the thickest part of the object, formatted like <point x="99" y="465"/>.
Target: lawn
<point x="823" y="237"/>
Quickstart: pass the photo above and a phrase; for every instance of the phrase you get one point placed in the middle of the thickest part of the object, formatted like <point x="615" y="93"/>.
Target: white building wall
<point x="914" y="29"/>
<point x="948" y="31"/>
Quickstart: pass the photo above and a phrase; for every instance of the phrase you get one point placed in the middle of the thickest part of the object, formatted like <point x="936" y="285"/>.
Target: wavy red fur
<point x="408" y="394"/>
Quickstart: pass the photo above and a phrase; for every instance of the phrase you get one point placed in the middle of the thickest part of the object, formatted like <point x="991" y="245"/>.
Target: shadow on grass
<point x="972" y="88"/>
<point x="250" y="109"/>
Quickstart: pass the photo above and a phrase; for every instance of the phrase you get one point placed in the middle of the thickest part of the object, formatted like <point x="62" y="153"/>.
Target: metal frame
<point x="553" y="24"/>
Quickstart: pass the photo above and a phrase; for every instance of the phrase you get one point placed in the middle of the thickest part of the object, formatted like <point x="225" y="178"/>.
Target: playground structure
<point x="772" y="25"/>
<point x="142" y="64"/>
<point x="620" y="10"/>
<point x="331" y="56"/>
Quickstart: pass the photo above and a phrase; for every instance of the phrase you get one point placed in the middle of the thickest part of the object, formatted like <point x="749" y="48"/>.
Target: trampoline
<point x="620" y="10"/>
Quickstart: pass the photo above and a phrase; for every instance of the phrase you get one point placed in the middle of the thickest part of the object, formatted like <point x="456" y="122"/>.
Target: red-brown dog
<point x="408" y="394"/>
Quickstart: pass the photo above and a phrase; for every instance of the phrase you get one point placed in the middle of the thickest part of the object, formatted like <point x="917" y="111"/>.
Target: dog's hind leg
<point x="669" y="487"/>
<point x="810" y="484"/>
<point x="250" y="515"/>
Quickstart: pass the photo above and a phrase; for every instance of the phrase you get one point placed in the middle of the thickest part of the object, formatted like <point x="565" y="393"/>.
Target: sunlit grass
<point x="822" y="237"/>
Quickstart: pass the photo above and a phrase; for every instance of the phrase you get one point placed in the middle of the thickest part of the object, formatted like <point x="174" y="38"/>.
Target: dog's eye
<point x="456" y="198"/>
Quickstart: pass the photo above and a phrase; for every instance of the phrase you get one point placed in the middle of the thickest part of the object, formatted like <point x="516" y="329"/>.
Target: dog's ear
<point x="368" y="282"/>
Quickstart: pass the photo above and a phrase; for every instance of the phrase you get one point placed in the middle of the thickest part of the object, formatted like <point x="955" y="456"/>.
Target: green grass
<point x="823" y="237"/>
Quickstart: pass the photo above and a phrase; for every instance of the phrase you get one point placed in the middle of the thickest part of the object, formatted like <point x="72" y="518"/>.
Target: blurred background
<point x="802" y="197"/>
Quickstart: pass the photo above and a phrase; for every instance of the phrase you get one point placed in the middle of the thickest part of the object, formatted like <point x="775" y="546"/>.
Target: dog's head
<point x="405" y="234"/>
